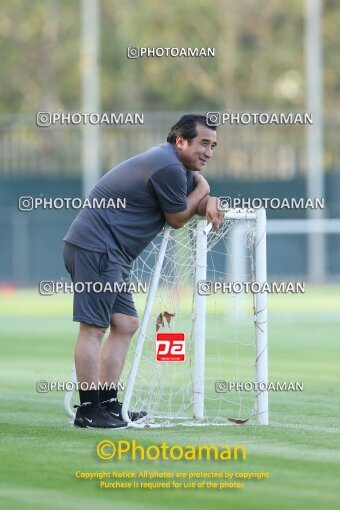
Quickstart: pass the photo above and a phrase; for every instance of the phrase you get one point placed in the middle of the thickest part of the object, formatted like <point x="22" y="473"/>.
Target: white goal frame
<point x="260" y="315"/>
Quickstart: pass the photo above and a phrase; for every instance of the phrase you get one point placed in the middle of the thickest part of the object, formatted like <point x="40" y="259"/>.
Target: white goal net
<point x="202" y="344"/>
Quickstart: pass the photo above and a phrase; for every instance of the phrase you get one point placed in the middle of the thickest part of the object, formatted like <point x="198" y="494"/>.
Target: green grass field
<point x="300" y="449"/>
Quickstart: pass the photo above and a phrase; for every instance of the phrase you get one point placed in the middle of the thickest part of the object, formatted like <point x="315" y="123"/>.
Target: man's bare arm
<point x="202" y="205"/>
<point x="177" y="220"/>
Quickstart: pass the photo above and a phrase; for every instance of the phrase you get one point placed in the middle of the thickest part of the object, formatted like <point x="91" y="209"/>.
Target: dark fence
<point x="31" y="242"/>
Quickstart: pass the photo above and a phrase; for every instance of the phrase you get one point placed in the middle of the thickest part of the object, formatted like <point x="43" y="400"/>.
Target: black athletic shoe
<point x="114" y="407"/>
<point x="89" y="415"/>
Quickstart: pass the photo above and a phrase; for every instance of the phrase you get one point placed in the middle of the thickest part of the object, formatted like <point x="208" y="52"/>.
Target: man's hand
<point x="213" y="213"/>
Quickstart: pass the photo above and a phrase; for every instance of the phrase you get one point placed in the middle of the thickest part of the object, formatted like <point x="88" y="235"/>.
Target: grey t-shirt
<point x="152" y="183"/>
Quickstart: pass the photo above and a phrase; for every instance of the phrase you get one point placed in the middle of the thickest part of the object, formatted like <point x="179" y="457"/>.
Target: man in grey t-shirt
<point x="160" y="185"/>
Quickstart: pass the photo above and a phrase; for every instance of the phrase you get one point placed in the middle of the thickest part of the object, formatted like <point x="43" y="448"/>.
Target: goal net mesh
<point x="166" y="389"/>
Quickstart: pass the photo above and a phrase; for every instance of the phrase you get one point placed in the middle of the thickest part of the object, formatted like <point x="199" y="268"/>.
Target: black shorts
<point x="90" y="306"/>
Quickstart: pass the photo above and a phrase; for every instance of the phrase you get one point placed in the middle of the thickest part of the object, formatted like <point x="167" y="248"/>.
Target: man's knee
<point x="90" y="331"/>
<point x="124" y="324"/>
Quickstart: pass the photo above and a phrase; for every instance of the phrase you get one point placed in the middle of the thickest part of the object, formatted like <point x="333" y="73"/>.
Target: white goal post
<point x="220" y="341"/>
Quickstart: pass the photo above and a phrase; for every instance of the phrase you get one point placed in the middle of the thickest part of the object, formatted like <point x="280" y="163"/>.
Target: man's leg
<point x="114" y="351"/>
<point x="87" y="361"/>
<point x="87" y="353"/>
<point x="122" y="328"/>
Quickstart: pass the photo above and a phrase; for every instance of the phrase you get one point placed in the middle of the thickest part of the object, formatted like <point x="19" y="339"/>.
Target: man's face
<point x="195" y="153"/>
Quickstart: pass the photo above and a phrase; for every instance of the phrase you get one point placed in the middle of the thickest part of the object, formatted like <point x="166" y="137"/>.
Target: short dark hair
<point x="186" y="127"/>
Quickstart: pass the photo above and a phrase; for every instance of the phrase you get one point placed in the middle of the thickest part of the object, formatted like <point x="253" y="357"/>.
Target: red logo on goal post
<point x="170" y="346"/>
